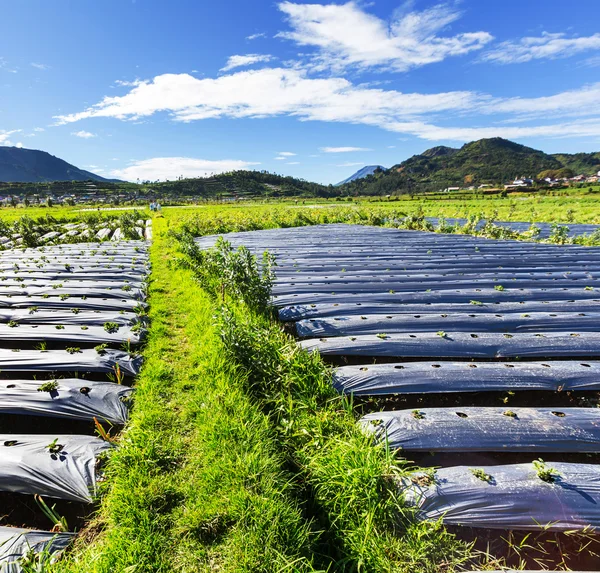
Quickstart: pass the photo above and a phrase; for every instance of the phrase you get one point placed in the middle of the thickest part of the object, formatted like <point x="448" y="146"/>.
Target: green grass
<point x="198" y="482"/>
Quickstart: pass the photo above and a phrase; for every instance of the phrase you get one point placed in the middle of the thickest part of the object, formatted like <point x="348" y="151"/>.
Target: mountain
<point x="367" y="170"/>
<point x="33" y="166"/>
<point x="493" y="161"/>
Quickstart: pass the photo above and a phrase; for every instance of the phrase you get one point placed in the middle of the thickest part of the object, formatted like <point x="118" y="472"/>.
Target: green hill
<point x="242" y="185"/>
<point x="492" y="161"/>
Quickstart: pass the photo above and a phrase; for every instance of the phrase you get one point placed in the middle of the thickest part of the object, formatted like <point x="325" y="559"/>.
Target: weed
<point x="59" y="522"/>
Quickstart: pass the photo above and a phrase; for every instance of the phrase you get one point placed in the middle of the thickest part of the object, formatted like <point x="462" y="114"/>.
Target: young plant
<point x="101" y="349"/>
<point x="50" y="386"/>
<point x="480" y="474"/>
<point x="544" y="472"/>
<point x="111" y="327"/>
<point x="54" y="447"/>
<point x="73" y="349"/>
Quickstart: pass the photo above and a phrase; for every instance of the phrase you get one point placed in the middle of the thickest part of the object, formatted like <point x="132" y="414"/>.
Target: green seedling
<point x="50" y="386"/>
<point x="417" y="415"/>
<point x="73" y="349"/>
<point x="33" y="309"/>
<point x="499" y="287"/>
<point x="111" y="327"/>
<point x="101" y="349"/>
<point x="59" y="327"/>
<point x="480" y="474"/>
<point x="382" y="336"/>
<point x="510" y="414"/>
<point x="12" y="324"/>
<point x="54" y="447"/>
<point x="544" y="472"/>
<point x="476" y="302"/>
<point x="441" y="334"/>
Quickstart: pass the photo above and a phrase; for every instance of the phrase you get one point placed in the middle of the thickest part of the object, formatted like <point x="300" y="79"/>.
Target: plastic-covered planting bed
<point x="55" y="466"/>
<point x="426" y="322"/>
<point x="16" y="546"/>
<point x="308" y="311"/>
<point x="433" y="295"/>
<point x="82" y="334"/>
<point x="75" y="284"/>
<point x="71" y="316"/>
<point x="89" y="360"/>
<point x="511" y="497"/>
<point x="66" y="303"/>
<point x="448" y="377"/>
<point x="488" y="429"/>
<point x="461" y="345"/>
<point x="385" y="276"/>
<point x="70" y="398"/>
<point x="68" y="290"/>
<point x="283" y="289"/>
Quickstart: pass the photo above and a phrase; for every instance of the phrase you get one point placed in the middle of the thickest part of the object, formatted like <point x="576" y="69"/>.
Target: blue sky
<point x="153" y="89"/>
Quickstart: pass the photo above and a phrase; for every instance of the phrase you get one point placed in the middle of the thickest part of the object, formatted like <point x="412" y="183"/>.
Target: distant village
<point x="526" y="182"/>
<point x="71" y="193"/>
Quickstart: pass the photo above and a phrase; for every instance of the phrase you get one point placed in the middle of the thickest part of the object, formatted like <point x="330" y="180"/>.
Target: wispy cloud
<point x="256" y="36"/>
<point x="343" y="149"/>
<point x="5" y="67"/>
<point x="345" y="35"/>
<point x="173" y="167"/>
<point x="350" y="164"/>
<point x="245" y="60"/>
<point x="546" y="46"/>
<point x="293" y="163"/>
<point x="286" y="153"/>
<point x="83" y="134"/>
<point x="40" y="66"/>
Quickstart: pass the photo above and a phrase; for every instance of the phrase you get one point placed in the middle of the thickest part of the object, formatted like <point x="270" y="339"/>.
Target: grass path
<point x="198" y="482"/>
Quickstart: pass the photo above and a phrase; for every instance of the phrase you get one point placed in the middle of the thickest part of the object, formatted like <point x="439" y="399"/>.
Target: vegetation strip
<point x="198" y="481"/>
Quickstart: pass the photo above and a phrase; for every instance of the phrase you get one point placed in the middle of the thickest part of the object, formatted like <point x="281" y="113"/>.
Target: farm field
<point x="255" y="439"/>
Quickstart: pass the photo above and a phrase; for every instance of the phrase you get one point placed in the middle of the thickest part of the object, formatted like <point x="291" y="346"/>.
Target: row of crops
<point x="47" y="231"/>
<point x="71" y="318"/>
<point x="475" y="358"/>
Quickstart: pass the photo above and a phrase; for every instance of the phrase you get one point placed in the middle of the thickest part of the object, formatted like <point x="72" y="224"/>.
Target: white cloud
<point x="280" y="158"/>
<point x="174" y="167"/>
<point x="391" y="147"/>
<point x="40" y="66"/>
<point x="38" y="129"/>
<point x="546" y="46"/>
<point x="245" y="60"/>
<point x="293" y="94"/>
<point x="242" y="94"/>
<point x="345" y="35"/>
<point x="19" y="144"/>
<point x="83" y="134"/>
<point x="343" y="149"/>
<point x="286" y="153"/>
<point x="5" y="136"/>
<point x="256" y="36"/>
<point x="293" y="163"/>
<point x="350" y="164"/>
